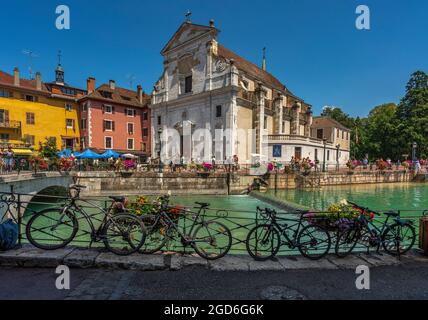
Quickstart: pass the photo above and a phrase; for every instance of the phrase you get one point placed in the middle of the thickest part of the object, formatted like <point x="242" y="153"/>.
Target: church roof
<point x="251" y="68"/>
<point x="184" y="26"/>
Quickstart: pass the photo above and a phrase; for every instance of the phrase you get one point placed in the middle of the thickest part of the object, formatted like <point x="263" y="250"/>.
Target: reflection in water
<point x="375" y="196"/>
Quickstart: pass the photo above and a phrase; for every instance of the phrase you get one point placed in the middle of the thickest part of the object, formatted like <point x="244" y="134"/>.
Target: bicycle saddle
<point x="117" y="199"/>
<point x="392" y="214"/>
<point x="203" y="204"/>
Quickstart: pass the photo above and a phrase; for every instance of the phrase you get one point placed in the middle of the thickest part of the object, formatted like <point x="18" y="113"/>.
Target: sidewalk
<point x="30" y="257"/>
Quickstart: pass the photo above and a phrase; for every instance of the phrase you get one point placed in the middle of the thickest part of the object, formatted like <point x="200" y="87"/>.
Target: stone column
<point x="295" y="121"/>
<point x="259" y="116"/>
<point x="278" y="114"/>
<point x="209" y="66"/>
<point x="309" y="121"/>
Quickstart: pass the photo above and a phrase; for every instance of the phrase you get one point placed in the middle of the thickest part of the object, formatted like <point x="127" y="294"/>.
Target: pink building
<point x="115" y="118"/>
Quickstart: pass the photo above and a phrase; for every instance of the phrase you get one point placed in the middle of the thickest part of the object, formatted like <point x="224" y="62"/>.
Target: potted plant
<point x="337" y="215"/>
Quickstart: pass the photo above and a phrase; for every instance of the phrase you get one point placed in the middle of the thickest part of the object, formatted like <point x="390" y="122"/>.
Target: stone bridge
<point x="29" y="185"/>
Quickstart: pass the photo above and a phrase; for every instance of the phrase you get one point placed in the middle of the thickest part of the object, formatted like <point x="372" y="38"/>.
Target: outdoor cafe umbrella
<point x="88" y="154"/>
<point x="110" y="154"/>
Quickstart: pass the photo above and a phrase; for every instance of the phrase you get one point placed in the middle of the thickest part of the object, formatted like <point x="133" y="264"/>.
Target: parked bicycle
<point x="265" y="240"/>
<point x="396" y="238"/>
<point x="210" y="239"/>
<point x="54" y="228"/>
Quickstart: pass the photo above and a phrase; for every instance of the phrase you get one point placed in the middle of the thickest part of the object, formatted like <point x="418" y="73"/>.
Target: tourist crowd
<point x="9" y="163"/>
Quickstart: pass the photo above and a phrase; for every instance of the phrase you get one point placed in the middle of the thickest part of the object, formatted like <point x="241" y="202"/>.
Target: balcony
<point x="247" y="95"/>
<point x="278" y="138"/>
<point x="6" y="144"/>
<point x="11" y="124"/>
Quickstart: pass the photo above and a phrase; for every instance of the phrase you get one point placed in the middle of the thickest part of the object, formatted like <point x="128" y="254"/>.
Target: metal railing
<point x="20" y="209"/>
<point x="11" y="124"/>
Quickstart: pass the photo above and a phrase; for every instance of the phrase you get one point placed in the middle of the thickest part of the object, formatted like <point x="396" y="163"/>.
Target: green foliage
<point x="48" y="148"/>
<point x="390" y="130"/>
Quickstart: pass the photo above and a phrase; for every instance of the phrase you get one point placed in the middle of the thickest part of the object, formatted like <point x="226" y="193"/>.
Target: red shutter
<point x="104" y="125"/>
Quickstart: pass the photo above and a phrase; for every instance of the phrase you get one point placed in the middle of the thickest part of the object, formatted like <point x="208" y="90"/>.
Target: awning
<point x="22" y="152"/>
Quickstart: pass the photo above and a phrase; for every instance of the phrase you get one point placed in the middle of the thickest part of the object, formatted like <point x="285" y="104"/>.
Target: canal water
<point x="406" y="196"/>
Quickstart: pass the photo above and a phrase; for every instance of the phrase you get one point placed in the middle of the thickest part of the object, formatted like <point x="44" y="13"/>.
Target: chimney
<point x="16" y="77"/>
<point x="140" y="93"/>
<point x="90" y="85"/>
<point x="112" y="84"/>
<point x="38" y="81"/>
<point x="211" y="23"/>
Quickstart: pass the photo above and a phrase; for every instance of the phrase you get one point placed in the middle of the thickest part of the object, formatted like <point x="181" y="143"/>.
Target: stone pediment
<point x="187" y="32"/>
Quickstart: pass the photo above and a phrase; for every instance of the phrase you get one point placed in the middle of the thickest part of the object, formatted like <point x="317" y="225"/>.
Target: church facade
<point x="209" y="102"/>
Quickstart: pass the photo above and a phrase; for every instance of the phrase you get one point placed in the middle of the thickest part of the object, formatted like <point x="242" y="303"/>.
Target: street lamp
<point x="337" y="157"/>
<point x="325" y="146"/>
<point x="414" y="147"/>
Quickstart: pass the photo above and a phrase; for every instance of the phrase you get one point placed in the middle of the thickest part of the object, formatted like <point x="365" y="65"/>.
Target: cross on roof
<point x="59" y="57"/>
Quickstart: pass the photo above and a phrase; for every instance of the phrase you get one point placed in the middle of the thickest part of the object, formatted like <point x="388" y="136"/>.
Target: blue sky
<point x="312" y="46"/>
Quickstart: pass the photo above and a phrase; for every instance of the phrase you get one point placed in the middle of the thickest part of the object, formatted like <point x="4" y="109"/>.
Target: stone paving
<point x="28" y="256"/>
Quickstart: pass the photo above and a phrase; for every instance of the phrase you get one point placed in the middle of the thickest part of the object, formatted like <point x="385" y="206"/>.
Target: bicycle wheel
<point x="398" y="239"/>
<point x="314" y="242"/>
<point x="124" y="234"/>
<point x="156" y="239"/>
<point x="346" y="242"/>
<point x="51" y="229"/>
<point x="212" y="240"/>
<point x="263" y="242"/>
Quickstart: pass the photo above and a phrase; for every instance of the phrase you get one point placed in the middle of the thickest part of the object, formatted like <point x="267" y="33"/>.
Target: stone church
<point x="219" y="104"/>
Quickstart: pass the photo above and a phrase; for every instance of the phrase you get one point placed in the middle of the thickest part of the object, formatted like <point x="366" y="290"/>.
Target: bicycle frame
<point x="73" y="207"/>
<point x="282" y="230"/>
<point x="183" y="235"/>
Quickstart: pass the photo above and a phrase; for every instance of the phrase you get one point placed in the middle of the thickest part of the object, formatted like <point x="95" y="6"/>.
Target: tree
<point x="412" y="114"/>
<point x="48" y="148"/>
<point x="381" y="131"/>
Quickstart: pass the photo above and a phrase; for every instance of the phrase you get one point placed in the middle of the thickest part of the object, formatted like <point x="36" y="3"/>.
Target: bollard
<point x="423" y="234"/>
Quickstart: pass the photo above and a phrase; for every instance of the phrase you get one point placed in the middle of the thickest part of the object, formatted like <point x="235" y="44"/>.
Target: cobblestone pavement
<point x="408" y="281"/>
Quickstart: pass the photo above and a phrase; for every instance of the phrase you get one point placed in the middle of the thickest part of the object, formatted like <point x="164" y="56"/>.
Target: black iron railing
<point x="20" y="207"/>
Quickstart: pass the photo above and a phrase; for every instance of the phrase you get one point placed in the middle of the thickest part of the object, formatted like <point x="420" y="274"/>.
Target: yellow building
<point x="31" y="111"/>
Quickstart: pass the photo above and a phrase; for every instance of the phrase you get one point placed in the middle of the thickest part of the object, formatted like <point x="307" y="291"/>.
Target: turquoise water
<point x="378" y="197"/>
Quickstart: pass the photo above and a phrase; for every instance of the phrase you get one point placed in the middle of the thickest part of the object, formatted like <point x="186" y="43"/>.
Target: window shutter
<point x="104" y="125"/>
<point x="112" y="125"/>
<point x="112" y="109"/>
<point x="6" y="115"/>
<point x="103" y="108"/>
<point x="135" y="113"/>
<point x="126" y="111"/>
